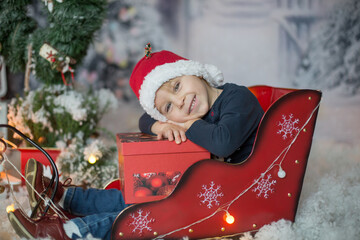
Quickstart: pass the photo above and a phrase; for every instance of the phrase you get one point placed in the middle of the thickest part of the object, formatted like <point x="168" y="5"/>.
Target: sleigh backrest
<point x="267" y="95"/>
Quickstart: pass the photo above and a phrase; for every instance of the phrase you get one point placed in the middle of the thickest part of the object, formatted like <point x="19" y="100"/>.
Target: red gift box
<point x="151" y="168"/>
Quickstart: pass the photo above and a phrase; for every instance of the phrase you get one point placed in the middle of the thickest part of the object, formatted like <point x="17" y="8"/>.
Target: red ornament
<point x="142" y="192"/>
<point x="156" y="182"/>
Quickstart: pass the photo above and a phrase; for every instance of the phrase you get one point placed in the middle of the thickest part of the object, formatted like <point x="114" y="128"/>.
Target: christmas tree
<point x="332" y="59"/>
<point x="69" y="30"/>
<point x="56" y="114"/>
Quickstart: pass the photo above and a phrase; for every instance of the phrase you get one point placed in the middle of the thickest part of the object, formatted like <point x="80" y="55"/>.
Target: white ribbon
<point x="66" y="66"/>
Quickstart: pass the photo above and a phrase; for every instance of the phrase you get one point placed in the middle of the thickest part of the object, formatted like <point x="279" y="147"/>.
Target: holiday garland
<point x="70" y="29"/>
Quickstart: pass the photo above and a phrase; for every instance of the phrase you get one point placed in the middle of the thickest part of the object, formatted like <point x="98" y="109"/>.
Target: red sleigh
<point x="216" y="199"/>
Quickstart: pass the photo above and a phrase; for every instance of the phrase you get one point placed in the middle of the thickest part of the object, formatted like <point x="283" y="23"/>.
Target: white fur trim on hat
<point x="168" y="71"/>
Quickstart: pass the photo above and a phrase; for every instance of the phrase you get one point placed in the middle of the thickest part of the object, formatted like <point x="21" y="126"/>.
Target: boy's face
<point x="184" y="98"/>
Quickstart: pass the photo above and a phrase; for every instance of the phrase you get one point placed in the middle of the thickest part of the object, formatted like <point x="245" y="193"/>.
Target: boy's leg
<point x="43" y="227"/>
<point x="75" y="199"/>
<point x="49" y="226"/>
<point x="83" y="202"/>
<point x="98" y="226"/>
<point x="36" y="184"/>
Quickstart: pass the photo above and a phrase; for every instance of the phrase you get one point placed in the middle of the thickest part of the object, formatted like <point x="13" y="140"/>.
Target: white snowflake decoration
<point x="264" y="186"/>
<point x="141" y="222"/>
<point x="211" y="195"/>
<point x="288" y="126"/>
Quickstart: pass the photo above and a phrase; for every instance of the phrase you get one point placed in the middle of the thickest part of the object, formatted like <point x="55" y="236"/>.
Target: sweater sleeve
<point x="145" y="123"/>
<point x="240" y="114"/>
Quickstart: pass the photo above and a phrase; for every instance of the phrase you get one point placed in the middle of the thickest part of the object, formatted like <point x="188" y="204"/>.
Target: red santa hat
<point x="154" y="69"/>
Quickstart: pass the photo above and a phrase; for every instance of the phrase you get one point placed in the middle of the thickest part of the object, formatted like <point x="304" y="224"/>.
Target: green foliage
<point x="73" y="163"/>
<point x="15" y="27"/>
<point x="57" y="113"/>
<point x="70" y="29"/>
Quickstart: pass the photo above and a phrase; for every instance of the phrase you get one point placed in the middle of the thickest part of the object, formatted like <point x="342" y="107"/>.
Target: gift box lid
<point x="140" y="143"/>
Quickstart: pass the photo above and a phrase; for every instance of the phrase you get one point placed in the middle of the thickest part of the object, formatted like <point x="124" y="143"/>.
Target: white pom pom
<point x="281" y="173"/>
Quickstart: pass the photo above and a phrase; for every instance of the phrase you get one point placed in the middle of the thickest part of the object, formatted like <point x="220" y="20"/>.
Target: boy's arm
<point x="145" y="123"/>
<point x="239" y="118"/>
<point x="163" y="130"/>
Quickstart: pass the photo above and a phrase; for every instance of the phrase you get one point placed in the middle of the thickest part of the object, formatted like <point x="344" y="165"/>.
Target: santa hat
<point x="154" y="69"/>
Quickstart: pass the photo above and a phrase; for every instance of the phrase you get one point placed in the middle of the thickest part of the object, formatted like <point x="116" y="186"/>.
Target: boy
<point x="183" y="99"/>
<point x="191" y="103"/>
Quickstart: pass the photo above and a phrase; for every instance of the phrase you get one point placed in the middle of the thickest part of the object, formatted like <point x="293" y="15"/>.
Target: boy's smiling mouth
<point x="192" y="104"/>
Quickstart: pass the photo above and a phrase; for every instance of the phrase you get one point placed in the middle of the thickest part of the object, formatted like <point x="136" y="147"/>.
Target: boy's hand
<point x="170" y="131"/>
<point x="185" y="125"/>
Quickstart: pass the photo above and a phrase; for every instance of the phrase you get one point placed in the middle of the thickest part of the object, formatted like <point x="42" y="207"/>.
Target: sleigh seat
<point x="217" y="199"/>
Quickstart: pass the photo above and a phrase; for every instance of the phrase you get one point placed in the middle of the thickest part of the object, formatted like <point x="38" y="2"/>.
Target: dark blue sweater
<point x="228" y="130"/>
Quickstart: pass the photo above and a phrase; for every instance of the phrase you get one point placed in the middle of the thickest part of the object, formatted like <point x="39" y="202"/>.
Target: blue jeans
<point x="98" y="209"/>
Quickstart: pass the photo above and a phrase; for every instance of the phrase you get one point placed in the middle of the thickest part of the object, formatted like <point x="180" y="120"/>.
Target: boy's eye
<point x="176" y="87"/>
<point x="167" y="107"/>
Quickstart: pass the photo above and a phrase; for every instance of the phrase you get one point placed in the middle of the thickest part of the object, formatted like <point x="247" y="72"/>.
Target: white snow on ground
<point x="329" y="205"/>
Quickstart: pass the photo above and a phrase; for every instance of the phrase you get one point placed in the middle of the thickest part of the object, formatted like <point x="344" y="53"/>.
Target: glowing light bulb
<point x="229" y="218"/>
<point x="92" y="159"/>
<point x="10" y="208"/>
